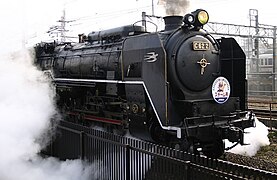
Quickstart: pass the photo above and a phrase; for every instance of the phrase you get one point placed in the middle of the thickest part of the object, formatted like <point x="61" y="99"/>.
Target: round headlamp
<point x="203" y="17"/>
<point x="196" y="19"/>
<point x="189" y="19"/>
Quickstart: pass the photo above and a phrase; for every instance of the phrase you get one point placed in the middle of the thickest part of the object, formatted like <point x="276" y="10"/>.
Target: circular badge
<point x="221" y="90"/>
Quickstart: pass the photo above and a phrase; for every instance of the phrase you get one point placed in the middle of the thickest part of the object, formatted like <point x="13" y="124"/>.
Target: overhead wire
<point x="95" y="19"/>
<point x="121" y="12"/>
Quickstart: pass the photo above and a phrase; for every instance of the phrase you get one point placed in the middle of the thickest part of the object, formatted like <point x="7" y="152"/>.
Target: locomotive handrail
<point x="99" y="45"/>
<point x="215" y="42"/>
<point x="145" y="25"/>
<point x="232" y="115"/>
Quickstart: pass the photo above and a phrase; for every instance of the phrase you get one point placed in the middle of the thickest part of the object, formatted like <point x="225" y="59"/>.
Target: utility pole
<point x="254" y="21"/>
<point x="63" y="31"/>
<point x="274" y="84"/>
<point x="153" y="14"/>
<point x="143" y="15"/>
<point x="60" y="30"/>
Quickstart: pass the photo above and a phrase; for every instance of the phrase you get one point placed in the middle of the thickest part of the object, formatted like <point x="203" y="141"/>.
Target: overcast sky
<point x="30" y="19"/>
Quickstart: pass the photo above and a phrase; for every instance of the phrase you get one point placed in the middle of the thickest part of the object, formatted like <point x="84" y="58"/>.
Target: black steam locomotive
<point x="179" y="86"/>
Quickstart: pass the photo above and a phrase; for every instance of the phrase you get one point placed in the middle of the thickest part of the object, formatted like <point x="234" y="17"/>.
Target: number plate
<point x="200" y="46"/>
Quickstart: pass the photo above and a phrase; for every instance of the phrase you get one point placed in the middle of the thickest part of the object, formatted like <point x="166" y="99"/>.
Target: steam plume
<point x="175" y="7"/>
<point x="26" y="107"/>
<point x="256" y="137"/>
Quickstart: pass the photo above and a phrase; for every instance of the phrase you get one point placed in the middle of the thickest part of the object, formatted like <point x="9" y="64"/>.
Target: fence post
<point x="52" y="139"/>
<point x="270" y="109"/>
<point x="187" y="169"/>
<point x="127" y="161"/>
<point x="82" y="144"/>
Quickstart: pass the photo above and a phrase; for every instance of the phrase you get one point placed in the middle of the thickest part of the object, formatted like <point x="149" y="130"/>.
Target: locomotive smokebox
<point x="172" y="22"/>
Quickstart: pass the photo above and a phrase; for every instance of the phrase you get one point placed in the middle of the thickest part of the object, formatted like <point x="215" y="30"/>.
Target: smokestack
<point x="172" y="22"/>
<point x="175" y="7"/>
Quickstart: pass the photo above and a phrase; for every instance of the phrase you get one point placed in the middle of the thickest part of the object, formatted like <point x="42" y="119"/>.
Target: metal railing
<point x="266" y="111"/>
<point x="117" y="157"/>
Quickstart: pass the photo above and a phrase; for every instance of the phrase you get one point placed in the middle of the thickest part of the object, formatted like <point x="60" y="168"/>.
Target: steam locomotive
<point x="179" y="86"/>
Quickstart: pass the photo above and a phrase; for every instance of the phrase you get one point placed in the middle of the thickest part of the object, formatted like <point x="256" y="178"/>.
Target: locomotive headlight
<point x="189" y="19"/>
<point x="203" y="17"/>
<point x="200" y="17"/>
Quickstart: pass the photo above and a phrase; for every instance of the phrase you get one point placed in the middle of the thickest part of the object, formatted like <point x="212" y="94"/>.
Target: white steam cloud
<point x="175" y="7"/>
<point x="26" y="106"/>
<point x="256" y="137"/>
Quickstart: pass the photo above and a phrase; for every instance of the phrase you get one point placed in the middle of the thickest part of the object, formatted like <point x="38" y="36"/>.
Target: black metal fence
<point x="116" y="157"/>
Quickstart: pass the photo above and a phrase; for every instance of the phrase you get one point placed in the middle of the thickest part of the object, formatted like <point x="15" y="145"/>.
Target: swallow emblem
<point x="151" y="57"/>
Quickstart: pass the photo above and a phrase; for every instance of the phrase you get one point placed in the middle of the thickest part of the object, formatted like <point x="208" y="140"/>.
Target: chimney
<point x="82" y="38"/>
<point x="172" y="22"/>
